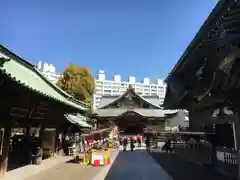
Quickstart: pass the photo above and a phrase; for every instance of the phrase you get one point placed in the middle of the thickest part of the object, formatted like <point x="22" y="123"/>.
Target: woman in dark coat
<point x="139" y="142"/>
<point x="147" y="142"/>
<point x="132" y="144"/>
<point x="125" y="142"/>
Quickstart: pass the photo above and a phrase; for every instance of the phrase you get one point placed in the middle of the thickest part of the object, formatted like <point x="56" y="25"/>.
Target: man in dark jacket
<point x="147" y="142"/>
<point x="132" y="144"/>
<point x="125" y="142"/>
<point x="139" y="142"/>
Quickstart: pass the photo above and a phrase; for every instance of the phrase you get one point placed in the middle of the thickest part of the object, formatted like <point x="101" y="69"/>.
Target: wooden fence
<point x="227" y="162"/>
<point x="195" y="152"/>
<point x="201" y="153"/>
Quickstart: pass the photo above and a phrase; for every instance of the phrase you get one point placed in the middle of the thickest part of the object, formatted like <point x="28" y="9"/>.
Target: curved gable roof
<point x="115" y="112"/>
<point x="24" y="73"/>
<point x="115" y="99"/>
<point x="213" y="20"/>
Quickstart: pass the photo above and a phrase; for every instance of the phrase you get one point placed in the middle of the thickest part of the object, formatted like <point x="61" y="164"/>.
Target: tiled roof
<point x="114" y="112"/>
<point x="153" y="100"/>
<point x="209" y="31"/>
<point x="105" y="100"/>
<point x="78" y="120"/>
<point x="25" y="74"/>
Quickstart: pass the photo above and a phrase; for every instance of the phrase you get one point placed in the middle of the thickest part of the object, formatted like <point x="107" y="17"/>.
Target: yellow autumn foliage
<point x="79" y="82"/>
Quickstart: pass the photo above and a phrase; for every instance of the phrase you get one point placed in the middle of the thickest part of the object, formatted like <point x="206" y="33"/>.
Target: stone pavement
<point x="103" y="173"/>
<point x="69" y="171"/>
<point x="23" y="172"/>
<point x="180" y="169"/>
<point x="136" y="165"/>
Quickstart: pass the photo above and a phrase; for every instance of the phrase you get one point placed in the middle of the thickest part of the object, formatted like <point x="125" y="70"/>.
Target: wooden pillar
<point x="57" y="141"/>
<point x="234" y="134"/>
<point x="27" y="133"/>
<point x="97" y="124"/>
<point x="200" y="117"/>
<point x="190" y="116"/>
<point x="207" y="115"/>
<point x="62" y="149"/>
<point x="41" y="134"/>
<point x="213" y="155"/>
<point x="5" y="150"/>
<point x="195" y="120"/>
<point x="237" y="138"/>
<point x="82" y="138"/>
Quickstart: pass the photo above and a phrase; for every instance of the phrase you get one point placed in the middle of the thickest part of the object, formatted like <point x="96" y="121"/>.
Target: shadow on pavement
<point x="180" y="169"/>
<point x="75" y="161"/>
<point x="116" y="171"/>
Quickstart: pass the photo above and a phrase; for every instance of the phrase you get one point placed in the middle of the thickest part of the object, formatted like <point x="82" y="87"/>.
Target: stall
<point x="97" y="153"/>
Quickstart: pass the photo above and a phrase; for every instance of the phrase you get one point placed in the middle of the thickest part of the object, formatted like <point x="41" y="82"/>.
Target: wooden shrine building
<point x="132" y="113"/>
<point x="206" y="79"/>
<point x="28" y="99"/>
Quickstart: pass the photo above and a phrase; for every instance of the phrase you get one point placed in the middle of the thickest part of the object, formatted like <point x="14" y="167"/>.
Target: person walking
<point x="147" y="142"/>
<point x="169" y="146"/>
<point x="132" y="144"/>
<point x="139" y="141"/>
<point x="125" y="142"/>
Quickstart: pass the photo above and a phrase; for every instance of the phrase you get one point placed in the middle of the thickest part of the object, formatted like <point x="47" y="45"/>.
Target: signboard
<point x="147" y="130"/>
<point x="97" y="156"/>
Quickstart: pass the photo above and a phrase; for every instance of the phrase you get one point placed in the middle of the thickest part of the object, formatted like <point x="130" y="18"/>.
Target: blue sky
<point x="144" y="38"/>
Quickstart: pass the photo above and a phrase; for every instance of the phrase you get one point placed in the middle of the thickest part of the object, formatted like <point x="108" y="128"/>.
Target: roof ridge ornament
<point x="130" y="87"/>
<point x="3" y="60"/>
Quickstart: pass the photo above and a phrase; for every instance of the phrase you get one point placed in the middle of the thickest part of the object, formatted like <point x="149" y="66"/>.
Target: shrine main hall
<point x="133" y="113"/>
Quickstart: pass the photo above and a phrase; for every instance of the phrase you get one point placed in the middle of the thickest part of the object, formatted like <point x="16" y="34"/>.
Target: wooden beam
<point x="18" y="112"/>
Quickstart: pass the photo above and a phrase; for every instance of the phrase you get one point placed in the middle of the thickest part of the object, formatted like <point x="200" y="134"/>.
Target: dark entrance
<point x="130" y="123"/>
<point x="133" y="130"/>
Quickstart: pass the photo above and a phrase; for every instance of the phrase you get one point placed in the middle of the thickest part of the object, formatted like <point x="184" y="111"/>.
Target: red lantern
<point x="115" y="131"/>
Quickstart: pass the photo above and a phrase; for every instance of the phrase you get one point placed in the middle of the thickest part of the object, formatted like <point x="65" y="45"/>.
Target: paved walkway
<point x="23" y="172"/>
<point x="180" y="169"/>
<point x="70" y="171"/>
<point x="136" y="165"/>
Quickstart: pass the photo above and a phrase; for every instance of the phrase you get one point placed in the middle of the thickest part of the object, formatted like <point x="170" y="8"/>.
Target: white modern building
<point x="49" y="71"/>
<point x="116" y="86"/>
